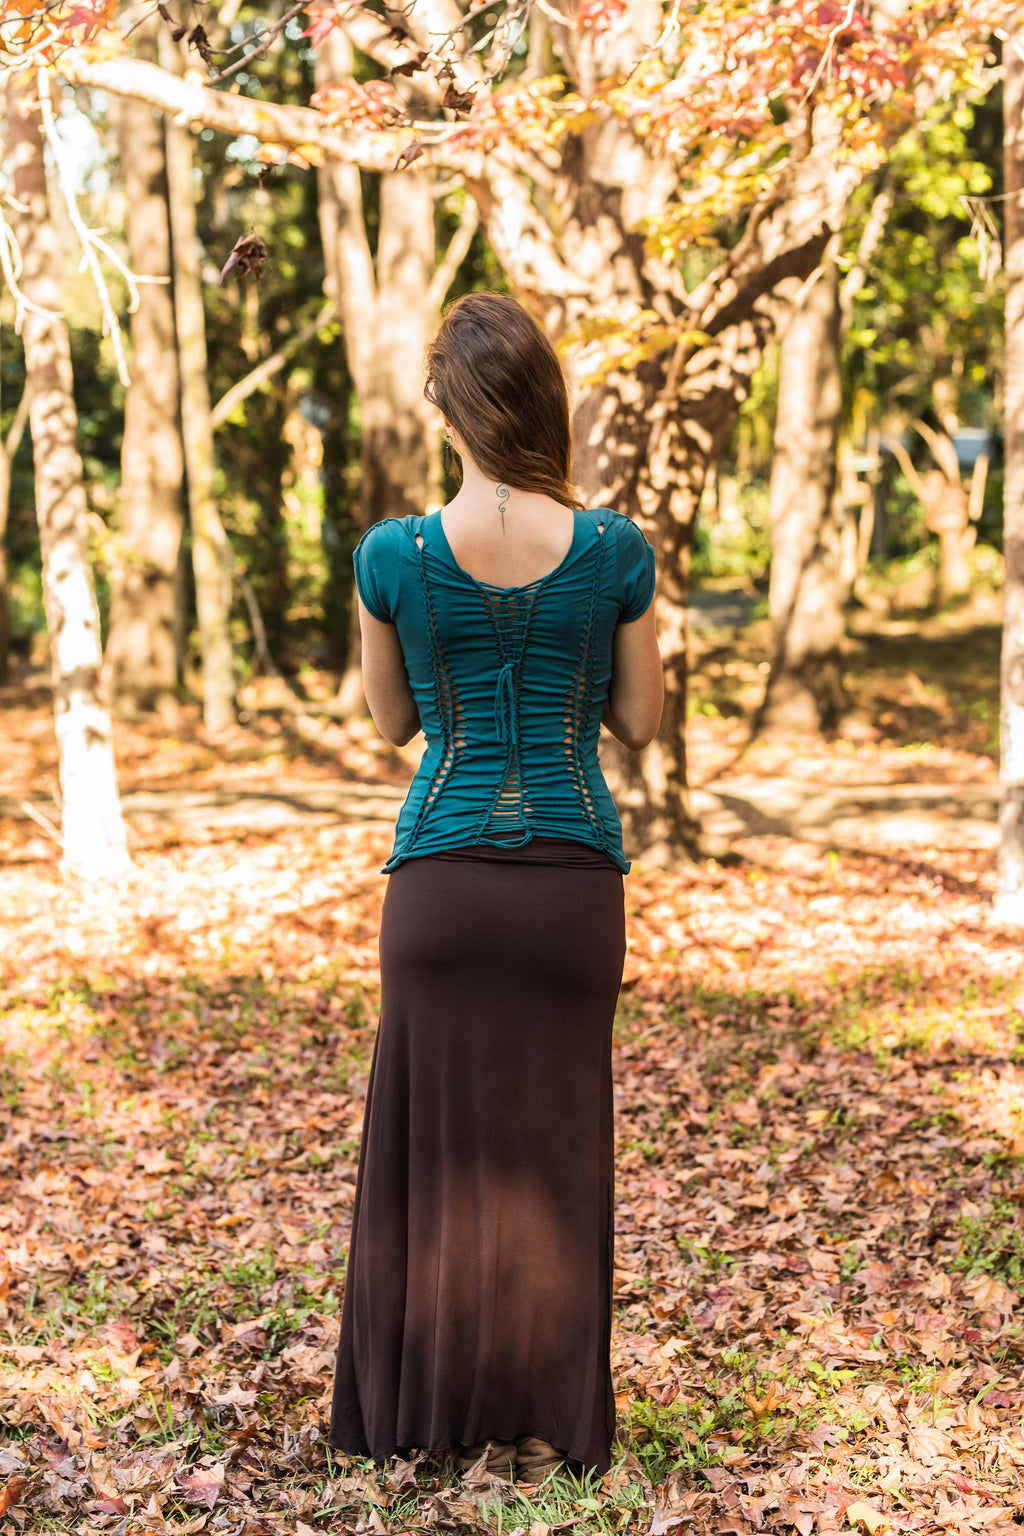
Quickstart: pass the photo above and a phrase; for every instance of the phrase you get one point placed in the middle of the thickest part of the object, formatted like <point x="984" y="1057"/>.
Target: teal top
<point x="510" y="682"/>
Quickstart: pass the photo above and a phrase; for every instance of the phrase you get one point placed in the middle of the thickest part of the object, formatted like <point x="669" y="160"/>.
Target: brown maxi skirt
<point x="478" y="1298"/>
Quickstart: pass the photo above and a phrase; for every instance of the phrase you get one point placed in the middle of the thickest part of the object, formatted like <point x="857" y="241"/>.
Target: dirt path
<point x="871" y="817"/>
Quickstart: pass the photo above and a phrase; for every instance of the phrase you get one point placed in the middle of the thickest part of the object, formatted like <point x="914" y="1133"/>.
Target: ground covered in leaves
<point x="820" y="1244"/>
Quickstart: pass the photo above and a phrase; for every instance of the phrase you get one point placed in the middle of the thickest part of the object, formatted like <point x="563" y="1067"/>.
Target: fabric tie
<point x="505" y="705"/>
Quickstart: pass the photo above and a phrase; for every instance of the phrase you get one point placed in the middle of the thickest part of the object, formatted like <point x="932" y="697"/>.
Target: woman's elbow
<point x="397" y="732"/>
<point x="636" y="738"/>
<point x="635" y="731"/>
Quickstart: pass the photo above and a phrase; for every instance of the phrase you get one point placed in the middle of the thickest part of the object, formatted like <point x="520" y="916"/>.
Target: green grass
<point x="993" y="1244"/>
<point x="567" y="1502"/>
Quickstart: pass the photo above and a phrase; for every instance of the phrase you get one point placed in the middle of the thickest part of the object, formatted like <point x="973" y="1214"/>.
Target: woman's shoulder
<point x="619" y="522"/>
<point x="629" y="570"/>
<point x="382" y="566"/>
<point x="624" y="533"/>
<point x="389" y="533"/>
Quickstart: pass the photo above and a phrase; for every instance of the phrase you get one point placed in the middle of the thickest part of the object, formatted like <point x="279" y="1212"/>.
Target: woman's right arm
<point x="385" y="680"/>
<point x="637" y="694"/>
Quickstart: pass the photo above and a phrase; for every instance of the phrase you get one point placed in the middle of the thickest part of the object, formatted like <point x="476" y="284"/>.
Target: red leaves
<point x="600" y="15"/>
<point x="11" y="1492"/>
<point x="373" y="105"/>
<point x="324" y="17"/>
<point x="91" y="16"/>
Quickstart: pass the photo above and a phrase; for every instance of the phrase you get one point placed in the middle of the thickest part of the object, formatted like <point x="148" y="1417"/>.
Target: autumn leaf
<point x="988" y="1294"/>
<point x="459" y="102"/>
<point x="410" y="153"/>
<point x="203" y="1486"/>
<point x="305" y="155"/>
<point x="11" y="1492"/>
<point x="929" y="1444"/>
<point x="248" y="255"/>
<point x="867" y="1517"/>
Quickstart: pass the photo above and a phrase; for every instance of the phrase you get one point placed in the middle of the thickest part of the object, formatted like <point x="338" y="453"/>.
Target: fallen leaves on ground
<point x="820" y="1249"/>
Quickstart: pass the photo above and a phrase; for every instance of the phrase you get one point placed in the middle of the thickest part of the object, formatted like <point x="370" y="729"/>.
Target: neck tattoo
<point x="502" y="500"/>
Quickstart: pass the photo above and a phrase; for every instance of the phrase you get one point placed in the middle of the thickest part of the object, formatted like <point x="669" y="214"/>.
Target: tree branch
<point x="187" y="101"/>
<point x="88" y="242"/>
<point x="17" y="428"/>
<point x="522" y="240"/>
<point x="364" y="30"/>
<point x="943" y="450"/>
<point x="874" y="229"/>
<point x="455" y="255"/>
<point x="243" y="388"/>
<point x="905" y="463"/>
<point x="262" y="45"/>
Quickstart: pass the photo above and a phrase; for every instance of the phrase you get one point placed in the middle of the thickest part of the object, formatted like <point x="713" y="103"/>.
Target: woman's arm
<point x="637" y="693"/>
<point x="385" y="680"/>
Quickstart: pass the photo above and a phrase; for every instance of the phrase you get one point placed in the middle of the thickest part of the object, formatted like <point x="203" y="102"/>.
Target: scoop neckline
<point x="525" y="586"/>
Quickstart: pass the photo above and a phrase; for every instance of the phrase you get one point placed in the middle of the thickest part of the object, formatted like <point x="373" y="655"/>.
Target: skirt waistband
<point x="560" y="852"/>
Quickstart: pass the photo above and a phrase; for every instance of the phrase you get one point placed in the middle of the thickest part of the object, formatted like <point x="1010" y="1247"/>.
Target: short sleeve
<point x="377" y="565"/>
<point x="635" y="570"/>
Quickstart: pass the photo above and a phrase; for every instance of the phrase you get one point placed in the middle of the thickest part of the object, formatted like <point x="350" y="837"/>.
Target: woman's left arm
<point x="385" y="680"/>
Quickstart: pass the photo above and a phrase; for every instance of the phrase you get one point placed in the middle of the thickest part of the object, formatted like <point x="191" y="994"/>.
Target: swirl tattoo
<point x="502" y="499"/>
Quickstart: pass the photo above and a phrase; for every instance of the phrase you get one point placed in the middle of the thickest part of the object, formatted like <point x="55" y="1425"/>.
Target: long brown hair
<point x="494" y="375"/>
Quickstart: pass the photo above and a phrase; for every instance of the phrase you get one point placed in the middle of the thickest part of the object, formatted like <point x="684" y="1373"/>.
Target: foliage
<point x="926" y="320"/>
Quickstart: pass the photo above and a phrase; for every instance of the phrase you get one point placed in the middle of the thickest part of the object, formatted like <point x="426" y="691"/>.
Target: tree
<point x="924" y="340"/>
<point x="805" y="689"/>
<point x="659" y="198"/>
<point x="212" y="559"/>
<point x="93" y="830"/>
<point x="813" y="564"/>
<point x="952" y="509"/>
<point x="389" y="302"/>
<point x="8" y="448"/>
<point x="1010" y="897"/>
<point x="140" y="659"/>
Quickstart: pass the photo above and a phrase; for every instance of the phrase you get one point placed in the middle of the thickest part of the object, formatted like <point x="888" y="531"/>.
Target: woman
<point x="509" y="627"/>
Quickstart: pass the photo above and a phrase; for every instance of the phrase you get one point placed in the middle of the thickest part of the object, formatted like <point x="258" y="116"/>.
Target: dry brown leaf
<point x="929" y="1444"/>
<point x="988" y="1294"/>
<point x="867" y="1517"/>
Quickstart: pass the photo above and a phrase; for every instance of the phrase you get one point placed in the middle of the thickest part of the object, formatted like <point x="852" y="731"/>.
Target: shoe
<point x="490" y="1458"/>
<point x="536" y="1460"/>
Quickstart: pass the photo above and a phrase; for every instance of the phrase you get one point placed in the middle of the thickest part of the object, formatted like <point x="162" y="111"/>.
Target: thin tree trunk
<point x="805" y="690"/>
<point x="140" y="663"/>
<point x="7" y="451"/>
<point x="1009" y="905"/>
<point x="93" y="829"/>
<point x="211" y="554"/>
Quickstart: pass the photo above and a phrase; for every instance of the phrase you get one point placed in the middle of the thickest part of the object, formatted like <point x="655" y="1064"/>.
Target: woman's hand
<point x="637" y="694"/>
<point x="385" y="680"/>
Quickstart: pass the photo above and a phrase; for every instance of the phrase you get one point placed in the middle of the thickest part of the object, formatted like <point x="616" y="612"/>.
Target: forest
<point x="780" y="249"/>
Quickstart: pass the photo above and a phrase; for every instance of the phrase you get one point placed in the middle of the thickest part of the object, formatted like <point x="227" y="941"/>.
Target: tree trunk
<point x="140" y="664"/>
<point x="93" y="830"/>
<point x="389" y="313"/>
<point x="628" y="456"/>
<point x="805" y="691"/>
<point x="400" y="442"/>
<point x="7" y="451"/>
<point x="212" y="559"/>
<point x="947" y="517"/>
<point x="1009" y="905"/>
